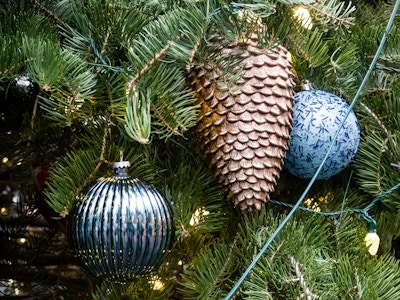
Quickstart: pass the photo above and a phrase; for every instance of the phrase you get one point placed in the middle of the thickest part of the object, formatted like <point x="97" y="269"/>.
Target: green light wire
<point x="345" y="196"/>
<point x="363" y="213"/>
<point x="296" y="206"/>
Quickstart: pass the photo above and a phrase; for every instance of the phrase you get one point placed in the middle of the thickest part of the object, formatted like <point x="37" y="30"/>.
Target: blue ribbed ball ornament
<point x="317" y="117"/>
<point x="120" y="227"/>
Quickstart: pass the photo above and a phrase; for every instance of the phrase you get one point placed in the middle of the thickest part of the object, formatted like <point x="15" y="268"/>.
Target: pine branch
<point x="146" y="67"/>
<point x="99" y="32"/>
<point x="74" y="41"/>
<point x="71" y="85"/>
<point x="138" y="118"/>
<point x="48" y="12"/>
<point x="73" y="173"/>
<point x="172" y="104"/>
<point x="369" y="164"/>
<point x="25" y="26"/>
<point x="210" y="271"/>
<point x="385" y="277"/>
<point x="300" y="278"/>
<point x="164" y="123"/>
<point x="334" y="12"/>
<point x="310" y="47"/>
<point x="342" y="68"/>
<point x="177" y="32"/>
<point x="376" y="118"/>
<point x="302" y="241"/>
<point x="12" y="61"/>
<point x="113" y="85"/>
<point x="198" y="204"/>
<point x="367" y="278"/>
<point x="224" y="267"/>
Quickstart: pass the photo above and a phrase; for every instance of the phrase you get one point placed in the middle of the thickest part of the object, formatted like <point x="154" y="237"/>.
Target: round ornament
<point x="317" y="117"/>
<point x="120" y="227"/>
<point x="24" y="87"/>
<point x="20" y="97"/>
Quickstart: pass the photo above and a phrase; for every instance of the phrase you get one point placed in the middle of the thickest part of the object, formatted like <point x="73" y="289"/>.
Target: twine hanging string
<point x="302" y="197"/>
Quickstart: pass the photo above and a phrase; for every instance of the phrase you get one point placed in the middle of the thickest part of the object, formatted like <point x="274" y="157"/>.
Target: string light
<point x="372" y="239"/>
<point x="303" y="16"/>
<point x="4" y="211"/>
<point x="156" y="283"/>
<point x="198" y="216"/>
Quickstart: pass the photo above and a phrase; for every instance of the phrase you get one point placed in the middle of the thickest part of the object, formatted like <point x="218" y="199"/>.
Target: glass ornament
<point x="317" y="117"/>
<point x="120" y="227"/>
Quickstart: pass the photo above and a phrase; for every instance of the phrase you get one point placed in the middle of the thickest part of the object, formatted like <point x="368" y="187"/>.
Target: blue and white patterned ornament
<point x="120" y="227"/>
<point x="317" y="117"/>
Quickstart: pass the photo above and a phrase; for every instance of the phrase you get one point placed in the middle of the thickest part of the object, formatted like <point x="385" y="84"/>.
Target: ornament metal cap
<point x="306" y="86"/>
<point x="121" y="164"/>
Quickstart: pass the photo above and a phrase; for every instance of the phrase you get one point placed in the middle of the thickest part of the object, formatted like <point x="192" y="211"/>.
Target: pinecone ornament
<point x="244" y="126"/>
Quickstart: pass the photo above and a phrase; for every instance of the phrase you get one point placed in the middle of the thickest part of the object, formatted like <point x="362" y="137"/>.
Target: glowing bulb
<point x="372" y="239"/>
<point x="4" y="211"/>
<point x="303" y="16"/>
<point x="156" y="283"/>
<point x="197" y="216"/>
<point x="22" y="240"/>
<point x="372" y="242"/>
<point x="5" y="160"/>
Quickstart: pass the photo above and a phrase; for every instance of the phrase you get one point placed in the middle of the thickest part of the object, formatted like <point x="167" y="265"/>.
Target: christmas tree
<point x="200" y="97"/>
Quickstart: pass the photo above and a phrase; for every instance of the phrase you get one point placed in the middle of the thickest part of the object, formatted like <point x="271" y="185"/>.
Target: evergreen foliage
<point x="112" y="79"/>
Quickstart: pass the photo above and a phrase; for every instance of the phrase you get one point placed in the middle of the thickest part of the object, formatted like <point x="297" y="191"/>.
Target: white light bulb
<point x="372" y="242"/>
<point x="303" y="16"/>
<point x="372" y="239"/>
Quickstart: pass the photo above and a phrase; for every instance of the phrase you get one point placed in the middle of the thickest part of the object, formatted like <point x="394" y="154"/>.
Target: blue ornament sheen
<point x="120" y="227"/>
<point x="317" y="117"/>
